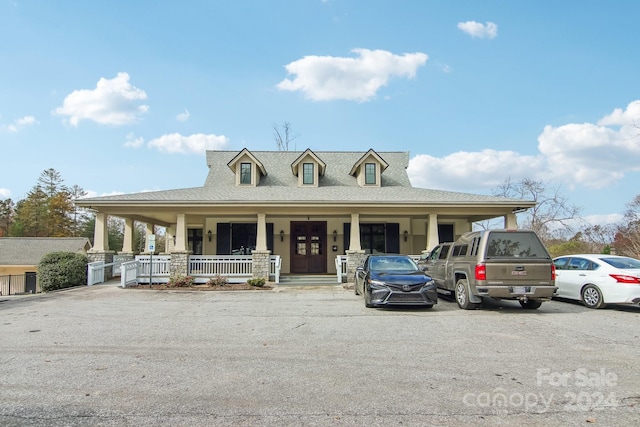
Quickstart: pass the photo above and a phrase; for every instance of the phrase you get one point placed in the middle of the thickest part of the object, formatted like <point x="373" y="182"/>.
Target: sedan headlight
<point x="377" y="284"/>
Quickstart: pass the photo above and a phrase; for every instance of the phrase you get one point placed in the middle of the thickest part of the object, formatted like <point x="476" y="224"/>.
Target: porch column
<point x="261" y="238"/>
<point x="510" y="222"/>
<point x="100" y="233"/>
<point x="354" y="241"/>
<point x="181" y="233"/>
<point x="433" y="239"/>
<point x="355" y="254"/>
<point x="127" y="242"/>
<point x="261" y="256"/>
<point x="100" y="250"/>
<point x="179" y="253"/>
<point x="149" y="230"/>
<point x="170" y="236"/>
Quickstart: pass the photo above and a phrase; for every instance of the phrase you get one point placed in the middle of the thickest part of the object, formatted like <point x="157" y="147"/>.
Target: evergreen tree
<point x="7" y="212"/>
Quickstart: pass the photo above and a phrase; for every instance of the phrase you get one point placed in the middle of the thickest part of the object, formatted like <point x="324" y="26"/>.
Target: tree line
<point x="49" y="210"/>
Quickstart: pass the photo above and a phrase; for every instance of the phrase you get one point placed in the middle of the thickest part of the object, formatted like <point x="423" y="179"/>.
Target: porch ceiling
<point x="165" y="215"/>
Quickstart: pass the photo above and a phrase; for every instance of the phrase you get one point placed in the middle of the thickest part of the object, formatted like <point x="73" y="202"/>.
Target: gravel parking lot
<point x="108" y="356"/>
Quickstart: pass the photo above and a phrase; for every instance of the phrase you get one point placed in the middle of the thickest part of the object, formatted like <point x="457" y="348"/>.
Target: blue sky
<point x="126" y="96"/>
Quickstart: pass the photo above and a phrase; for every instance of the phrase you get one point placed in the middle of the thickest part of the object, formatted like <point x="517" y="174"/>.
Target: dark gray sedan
<point x="394" y="280"/>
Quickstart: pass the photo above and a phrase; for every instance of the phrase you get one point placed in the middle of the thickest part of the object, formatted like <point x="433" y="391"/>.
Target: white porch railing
<point x="160" y="272"/>
<point x="95" y="273"/>
<point x="129" y="273"/>
<point x="341" y="267"/>
<point x="275" y="263"/>
<point x="235" y="268"/>
<point x="95" y="270"/>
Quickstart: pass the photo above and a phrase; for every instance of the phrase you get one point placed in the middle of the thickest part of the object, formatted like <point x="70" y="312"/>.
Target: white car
<point x="598" y="279"/>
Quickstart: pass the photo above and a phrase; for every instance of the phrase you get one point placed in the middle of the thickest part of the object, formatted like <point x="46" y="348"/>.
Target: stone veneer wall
<point x="179" y="263"/>
<point x="354" y="260"/>
<point x="261" y="261"/>
<point x="106" y="257"/>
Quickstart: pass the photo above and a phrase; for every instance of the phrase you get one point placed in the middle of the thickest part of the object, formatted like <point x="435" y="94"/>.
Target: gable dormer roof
<point x="363" y="159"/>
<point x="295" y="166"/>
<point x="254" y="159"/>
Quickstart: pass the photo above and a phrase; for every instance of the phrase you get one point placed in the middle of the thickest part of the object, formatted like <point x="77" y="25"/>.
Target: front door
<point x="309" y="247"/>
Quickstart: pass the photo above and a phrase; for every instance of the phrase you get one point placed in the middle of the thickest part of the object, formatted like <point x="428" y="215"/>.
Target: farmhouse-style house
<point x="305" y="207"/>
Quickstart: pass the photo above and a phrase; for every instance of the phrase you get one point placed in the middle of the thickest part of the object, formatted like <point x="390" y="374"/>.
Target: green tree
<point x="48" y="209"/>
<point x="31" y="215"/>
<point x="51" y="182"/>
<point x="79" y="215"/>
<point x="7" y="212"/>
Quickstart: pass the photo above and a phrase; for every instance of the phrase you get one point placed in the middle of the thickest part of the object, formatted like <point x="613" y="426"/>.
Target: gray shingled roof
<point x="280" y="185"/>
<point x="30" y="250"/>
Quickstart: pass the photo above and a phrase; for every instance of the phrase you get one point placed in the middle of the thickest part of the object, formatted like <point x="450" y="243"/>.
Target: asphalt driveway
<point x="108" y="356"/>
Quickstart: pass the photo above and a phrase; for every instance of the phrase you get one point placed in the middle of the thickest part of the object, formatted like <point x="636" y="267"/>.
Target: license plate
<point x="519" y="290"/>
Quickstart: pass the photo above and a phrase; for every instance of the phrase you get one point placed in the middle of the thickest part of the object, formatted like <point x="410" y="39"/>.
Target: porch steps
<point x="308" y="279"/>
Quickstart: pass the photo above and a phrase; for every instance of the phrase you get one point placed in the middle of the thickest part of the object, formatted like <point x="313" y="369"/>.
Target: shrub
<point x="59" y="270"/>
<point x="181" y="282"/>
<point x="258" y="283"/>
<point x="218" y="281"/>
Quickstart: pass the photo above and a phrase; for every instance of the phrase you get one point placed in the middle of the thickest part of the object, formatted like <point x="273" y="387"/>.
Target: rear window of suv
<point x="515" y="245"/>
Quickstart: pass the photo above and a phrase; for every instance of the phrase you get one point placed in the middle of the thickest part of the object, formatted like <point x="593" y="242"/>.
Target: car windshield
<point x="624" y="263"/>
<point x="393" y="264"/>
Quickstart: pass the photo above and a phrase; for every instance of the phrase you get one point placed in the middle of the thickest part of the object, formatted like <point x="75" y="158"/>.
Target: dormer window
<point x="247" y="168"/>
<point x="368" y="169"/>
<point x="370" y="173"/>
<point x="308" y="175"/>
<point x="308" y="168"/>
<point x="245" y="173"/>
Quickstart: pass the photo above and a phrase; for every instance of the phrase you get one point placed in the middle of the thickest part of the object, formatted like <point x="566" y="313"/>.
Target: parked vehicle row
<point x="498" y="264"/>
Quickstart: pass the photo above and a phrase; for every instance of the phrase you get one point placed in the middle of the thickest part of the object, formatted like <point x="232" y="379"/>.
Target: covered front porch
<point x="267" y="245"/>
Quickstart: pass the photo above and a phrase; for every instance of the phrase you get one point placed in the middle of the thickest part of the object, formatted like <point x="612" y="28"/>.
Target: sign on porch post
<point x="151" y="248"/>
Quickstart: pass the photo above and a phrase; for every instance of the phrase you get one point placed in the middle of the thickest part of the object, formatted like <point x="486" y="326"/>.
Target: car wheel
<point x="592" y="297"/>
<point x="427" y="307"/>
<point x="462" y="296"/>
<point x="530" y="304"/>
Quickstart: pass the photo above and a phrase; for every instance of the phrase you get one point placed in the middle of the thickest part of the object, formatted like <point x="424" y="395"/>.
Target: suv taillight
<point x="553" y="271"/>
<point x="481" y="272"/>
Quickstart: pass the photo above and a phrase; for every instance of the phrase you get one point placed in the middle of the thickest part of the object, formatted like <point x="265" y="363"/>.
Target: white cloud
<point x="325" y="78"/>
<point x="5" y="193"/>
<point x="586" y="155"/>
<point x="134" y="142"/>
<point x="19" y="124"/>
<point x="466" y="171"/>
<point x="594" y="155"/>
<point x="112" y="102"/>
<point x="627" y="117"/>
<point x="196" y="143"/>
<point x="183" y="117"/>
<point x="476" y="29"/>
